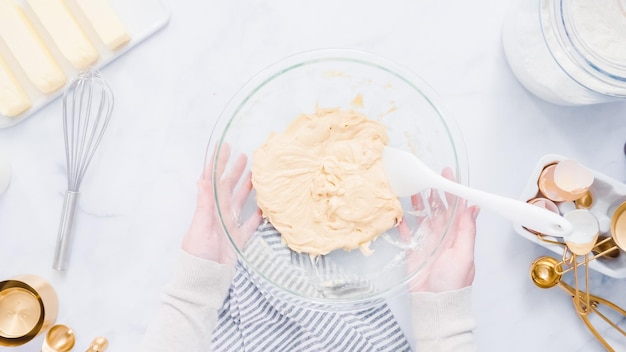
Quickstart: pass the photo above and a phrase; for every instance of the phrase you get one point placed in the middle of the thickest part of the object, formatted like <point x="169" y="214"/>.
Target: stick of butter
<point x="29" y="49"/>
<point x="65" y="32"/>
<point x="13" y="100"/>
<point x="105" y="22"/>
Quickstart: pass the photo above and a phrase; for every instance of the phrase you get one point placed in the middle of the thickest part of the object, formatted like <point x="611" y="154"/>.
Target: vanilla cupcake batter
<point x="321" y="183"/>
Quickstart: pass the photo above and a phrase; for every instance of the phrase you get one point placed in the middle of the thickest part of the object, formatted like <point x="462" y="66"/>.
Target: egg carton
<point x="607" y="193"/>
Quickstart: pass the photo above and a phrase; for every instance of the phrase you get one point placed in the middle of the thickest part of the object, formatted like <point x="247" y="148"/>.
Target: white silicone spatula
<point x="408" y="175"/>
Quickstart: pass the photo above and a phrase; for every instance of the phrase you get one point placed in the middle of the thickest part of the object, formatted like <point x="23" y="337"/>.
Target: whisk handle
<point x="64" y="239"/>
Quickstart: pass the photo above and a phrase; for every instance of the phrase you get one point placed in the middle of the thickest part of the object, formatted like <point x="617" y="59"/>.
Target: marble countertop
<point x="139" y="194"/>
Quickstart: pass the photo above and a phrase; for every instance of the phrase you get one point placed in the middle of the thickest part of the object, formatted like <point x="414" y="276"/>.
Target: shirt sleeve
<point x="443" y="321"/>
<point x="188" y="312"/>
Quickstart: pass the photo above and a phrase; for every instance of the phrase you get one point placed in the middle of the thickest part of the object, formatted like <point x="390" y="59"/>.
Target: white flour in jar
<point x="599" y="23"/>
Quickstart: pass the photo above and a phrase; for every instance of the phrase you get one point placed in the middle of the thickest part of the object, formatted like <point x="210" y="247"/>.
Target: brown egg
<point x="572" y="178"/>
<point x="548" y="188"/>
<point x="543" y="203"/>
<point x="565" y="181"/>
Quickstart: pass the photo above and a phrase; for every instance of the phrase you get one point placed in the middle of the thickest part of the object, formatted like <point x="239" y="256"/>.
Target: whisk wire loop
<point x="93" y="103"/>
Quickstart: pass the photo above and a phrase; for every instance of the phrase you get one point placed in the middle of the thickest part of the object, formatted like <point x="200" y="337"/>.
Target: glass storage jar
<point x="568" y="52"/>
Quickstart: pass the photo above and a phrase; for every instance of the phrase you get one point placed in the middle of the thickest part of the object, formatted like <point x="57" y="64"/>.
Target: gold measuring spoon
<point x="606" y="248"/>
<point x="585" y="201"/>
<point x="99" y="344"/>
<point x="60" y="338"/>
<point x="544" y="272"/>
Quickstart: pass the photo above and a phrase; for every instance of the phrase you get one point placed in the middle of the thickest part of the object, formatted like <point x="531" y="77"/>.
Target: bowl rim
<point x="290" y="62"/>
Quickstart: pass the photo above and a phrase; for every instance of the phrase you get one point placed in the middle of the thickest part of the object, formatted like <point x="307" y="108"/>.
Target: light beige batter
<point x="321" y="183"/>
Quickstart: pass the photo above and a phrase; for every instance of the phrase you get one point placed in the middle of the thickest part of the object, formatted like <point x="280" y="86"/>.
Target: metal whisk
<point x="87" y="107"/>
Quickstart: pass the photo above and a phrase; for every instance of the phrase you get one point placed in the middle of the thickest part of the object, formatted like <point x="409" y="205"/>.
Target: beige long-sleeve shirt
<point x="188" y="313"/>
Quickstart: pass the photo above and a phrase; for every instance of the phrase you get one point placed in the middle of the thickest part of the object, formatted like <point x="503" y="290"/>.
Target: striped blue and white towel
<point x="254" y="318"/>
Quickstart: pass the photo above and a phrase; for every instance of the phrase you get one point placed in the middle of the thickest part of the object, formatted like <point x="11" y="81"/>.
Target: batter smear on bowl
<point x="321" y="183"/>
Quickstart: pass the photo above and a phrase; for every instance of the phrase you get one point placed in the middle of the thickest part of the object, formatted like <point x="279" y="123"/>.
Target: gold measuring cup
<point x="546" y="273"/>
<point x="618" y="226"/>
<point x="28" y="307"/>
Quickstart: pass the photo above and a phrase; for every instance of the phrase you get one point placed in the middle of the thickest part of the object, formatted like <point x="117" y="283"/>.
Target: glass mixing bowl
<point x="415" y="122"/>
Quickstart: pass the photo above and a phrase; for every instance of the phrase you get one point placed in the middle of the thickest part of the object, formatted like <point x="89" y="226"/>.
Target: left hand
<point x="205" y="238"/>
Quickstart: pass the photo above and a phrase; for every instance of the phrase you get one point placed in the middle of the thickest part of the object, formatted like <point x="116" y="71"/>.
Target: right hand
<point x="452" y="268"/>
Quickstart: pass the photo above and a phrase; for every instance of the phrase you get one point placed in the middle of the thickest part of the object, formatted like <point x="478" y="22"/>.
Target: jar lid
<point x="588" y="41"/>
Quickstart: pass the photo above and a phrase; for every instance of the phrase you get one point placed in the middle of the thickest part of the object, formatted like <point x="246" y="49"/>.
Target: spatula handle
<point x="522" y="213"/>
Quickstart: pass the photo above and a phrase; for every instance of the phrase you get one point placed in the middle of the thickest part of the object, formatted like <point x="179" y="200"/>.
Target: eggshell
<point x="586" y="231"/>
<point x="572" y="178"/>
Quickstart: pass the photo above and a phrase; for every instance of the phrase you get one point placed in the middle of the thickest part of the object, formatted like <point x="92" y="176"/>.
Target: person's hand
<point x="205" y="238"/>
<point x="452" y="267"/>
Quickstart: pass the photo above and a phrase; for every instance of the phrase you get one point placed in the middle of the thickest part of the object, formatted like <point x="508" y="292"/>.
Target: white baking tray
<point x="141" y="17"/>
<point x="606" y="192"/>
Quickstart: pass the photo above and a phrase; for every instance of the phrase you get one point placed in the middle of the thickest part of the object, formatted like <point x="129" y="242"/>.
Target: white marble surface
<point x="139" y="194"/>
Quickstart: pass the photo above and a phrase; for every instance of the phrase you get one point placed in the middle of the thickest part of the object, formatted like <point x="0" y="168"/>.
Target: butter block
<point x="66" y="33"/>
<point x="13" y="99"/>
<point x="105" y="22"/>
<point x="29" y="49"/>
